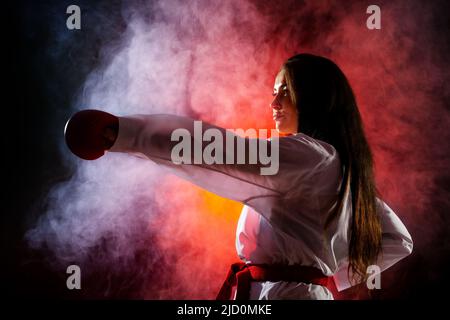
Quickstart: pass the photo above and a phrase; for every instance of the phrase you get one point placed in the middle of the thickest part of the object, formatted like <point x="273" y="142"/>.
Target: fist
<point x="89" y="133"/>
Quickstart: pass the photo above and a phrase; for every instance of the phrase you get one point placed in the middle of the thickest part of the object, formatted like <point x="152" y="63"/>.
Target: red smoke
<point x="393" y="77"/>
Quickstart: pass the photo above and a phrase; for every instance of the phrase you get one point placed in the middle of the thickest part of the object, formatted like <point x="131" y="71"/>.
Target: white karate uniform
<point x="284" y="214"/>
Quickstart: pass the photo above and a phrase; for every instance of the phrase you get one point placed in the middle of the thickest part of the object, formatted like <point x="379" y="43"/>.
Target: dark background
<point x="34" y="115"/>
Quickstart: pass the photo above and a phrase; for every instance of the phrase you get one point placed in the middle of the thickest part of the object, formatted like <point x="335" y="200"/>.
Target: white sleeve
<point x="396" y="244"/>
<point x="150" y="135"/>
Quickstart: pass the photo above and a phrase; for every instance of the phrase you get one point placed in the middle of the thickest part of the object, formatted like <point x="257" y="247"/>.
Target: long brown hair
<point x="328" y="111"/>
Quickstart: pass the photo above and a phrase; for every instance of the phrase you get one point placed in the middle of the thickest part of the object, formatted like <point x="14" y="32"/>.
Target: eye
<point x="283" y="90"/>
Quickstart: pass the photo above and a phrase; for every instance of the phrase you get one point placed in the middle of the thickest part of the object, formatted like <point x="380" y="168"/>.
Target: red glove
<point x="89" y="133"/>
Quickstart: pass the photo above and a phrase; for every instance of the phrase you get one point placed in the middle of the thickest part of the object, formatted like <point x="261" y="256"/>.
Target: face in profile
<point x="284" y="112"/>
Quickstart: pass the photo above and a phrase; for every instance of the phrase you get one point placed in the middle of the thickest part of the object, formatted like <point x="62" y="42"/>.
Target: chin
<point x="283" y="130"/>
<point x="280" y="127"/>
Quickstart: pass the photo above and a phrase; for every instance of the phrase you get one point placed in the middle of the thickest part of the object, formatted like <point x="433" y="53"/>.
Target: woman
<point x="314" y="226"/>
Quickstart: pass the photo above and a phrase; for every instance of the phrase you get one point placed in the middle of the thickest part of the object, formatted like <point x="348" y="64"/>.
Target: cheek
<point x="292" y="110"/>
<point x="294" y="117"/>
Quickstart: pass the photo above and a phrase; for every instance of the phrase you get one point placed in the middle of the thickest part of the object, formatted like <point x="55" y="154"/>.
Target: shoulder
<point x="314" y="143"/>
<point x="321" y="150"/>
<point x="312" y="165"/>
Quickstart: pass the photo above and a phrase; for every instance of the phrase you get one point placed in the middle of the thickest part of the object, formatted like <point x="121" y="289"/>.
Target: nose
<point x="275" y="104"/>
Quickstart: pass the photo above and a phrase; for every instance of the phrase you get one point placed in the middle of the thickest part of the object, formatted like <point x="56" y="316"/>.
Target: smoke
<point x="216" y="61"/>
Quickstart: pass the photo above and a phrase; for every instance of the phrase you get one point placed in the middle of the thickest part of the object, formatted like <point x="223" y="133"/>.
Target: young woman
<point x="316" y="224"/>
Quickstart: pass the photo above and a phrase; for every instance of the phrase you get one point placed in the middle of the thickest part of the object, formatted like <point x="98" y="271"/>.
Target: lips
<point x="277" y="116"/>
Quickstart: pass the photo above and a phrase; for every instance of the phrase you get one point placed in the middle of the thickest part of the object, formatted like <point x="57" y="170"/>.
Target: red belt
<point x="241" y="275"/>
